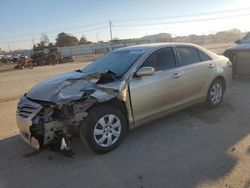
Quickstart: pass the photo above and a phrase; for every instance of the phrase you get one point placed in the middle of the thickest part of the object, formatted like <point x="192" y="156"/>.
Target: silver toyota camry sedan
<point x="120" y="91"/>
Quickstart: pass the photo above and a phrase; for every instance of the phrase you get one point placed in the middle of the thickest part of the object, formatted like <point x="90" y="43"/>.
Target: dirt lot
<point x="197" y="147"/>
<point x="5" y="67"/>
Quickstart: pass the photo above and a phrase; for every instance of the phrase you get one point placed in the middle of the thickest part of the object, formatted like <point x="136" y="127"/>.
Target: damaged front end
<point x="49" y="112"/>
<point x="44" y="124"/>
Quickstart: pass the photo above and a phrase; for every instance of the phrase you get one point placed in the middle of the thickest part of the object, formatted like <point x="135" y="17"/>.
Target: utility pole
<point x="8" y="46"/>
<point x="33" y="43"/>
<point x="13" y="45"/>
<point x="110" y="30"/>
<point x="97" y="38"/>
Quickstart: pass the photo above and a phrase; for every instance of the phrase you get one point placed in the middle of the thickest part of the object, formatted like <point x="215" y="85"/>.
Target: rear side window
<point x="204" y="56"/>
<point x="162" y="59"/>
<point x="188" y="55"/>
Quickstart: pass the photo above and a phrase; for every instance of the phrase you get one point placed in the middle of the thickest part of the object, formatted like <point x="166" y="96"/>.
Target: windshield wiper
<point x="78" y="70"/>
<point x="111" y="72"/>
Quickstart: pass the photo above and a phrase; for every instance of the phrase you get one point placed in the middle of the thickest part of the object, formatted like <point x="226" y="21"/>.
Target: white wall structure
<point x="94" y="48"/>
<point x="101" y="48"/>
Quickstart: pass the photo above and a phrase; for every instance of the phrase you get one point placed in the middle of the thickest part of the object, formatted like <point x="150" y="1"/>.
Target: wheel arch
<point x="222" y="79"/>
<point x="116" y="103"/>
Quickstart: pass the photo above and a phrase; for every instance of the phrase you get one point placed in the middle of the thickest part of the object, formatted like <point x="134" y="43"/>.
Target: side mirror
<point x="238" y="41"/>
<point x="145" y="71"/>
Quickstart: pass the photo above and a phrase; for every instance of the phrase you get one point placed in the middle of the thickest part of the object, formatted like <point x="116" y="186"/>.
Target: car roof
<point x="156" y="45"/>
<point x="153" y="46"/>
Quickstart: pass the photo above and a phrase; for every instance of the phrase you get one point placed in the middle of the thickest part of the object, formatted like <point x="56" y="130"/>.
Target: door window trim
<point x="162" y="48"/>
<point x="196" y="49"/>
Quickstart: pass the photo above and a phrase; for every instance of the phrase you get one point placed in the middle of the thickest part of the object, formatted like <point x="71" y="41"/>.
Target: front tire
<point x="215" y="93"/>
<point x="103" y="129"/>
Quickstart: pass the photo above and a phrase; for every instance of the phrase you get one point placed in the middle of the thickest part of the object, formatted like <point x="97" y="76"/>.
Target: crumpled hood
<point x="71" y="85"/>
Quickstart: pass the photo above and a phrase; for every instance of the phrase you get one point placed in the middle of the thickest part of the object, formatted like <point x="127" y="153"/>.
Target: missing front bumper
<point x="24" y="127"/>
<point x="30" y="140"/>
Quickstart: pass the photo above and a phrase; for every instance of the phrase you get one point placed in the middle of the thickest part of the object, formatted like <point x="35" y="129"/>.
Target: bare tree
<point x="44" y="40"/>
<point x="83" y="40"/>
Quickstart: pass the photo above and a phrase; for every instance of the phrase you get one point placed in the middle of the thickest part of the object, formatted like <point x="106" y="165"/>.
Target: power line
<point x="184" y="15"/>
<point x="100" y="26"/>
<point x="92" y="34"/>
<point x="126" y="20"/>
<point x="58" y="30"/>
<point x="76" y="27"/>
<point x="54" y="36"/>
<point x="182" y="21"/>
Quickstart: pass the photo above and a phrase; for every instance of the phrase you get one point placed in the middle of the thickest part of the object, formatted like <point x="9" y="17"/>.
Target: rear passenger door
<point x="194" y="65"/>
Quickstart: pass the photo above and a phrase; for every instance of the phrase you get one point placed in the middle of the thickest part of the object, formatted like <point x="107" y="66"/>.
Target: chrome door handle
<point x="211" y="66"/>
<point x="177" y="75"/>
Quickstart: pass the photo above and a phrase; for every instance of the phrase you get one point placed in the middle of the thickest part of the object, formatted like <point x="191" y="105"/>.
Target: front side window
<point x="117" y="62"/>
<point x="188" y="55"/>
<point x="162" y="59"/>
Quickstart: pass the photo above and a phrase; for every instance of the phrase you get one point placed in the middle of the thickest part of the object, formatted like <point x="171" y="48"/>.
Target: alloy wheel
<point x="216" y="93"/>
<point x="107" y="130"/>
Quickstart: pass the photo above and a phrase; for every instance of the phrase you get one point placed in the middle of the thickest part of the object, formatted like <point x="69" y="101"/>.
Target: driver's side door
<point x="151" y="95"/>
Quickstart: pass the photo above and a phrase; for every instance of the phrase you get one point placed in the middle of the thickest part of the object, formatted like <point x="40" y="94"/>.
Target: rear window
<point x="188" y="55"/>
<point x="204" y="56"/>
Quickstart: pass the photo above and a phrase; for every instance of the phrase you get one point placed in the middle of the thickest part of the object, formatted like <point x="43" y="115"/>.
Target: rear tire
<point x="103" y="129"/>
<point x="215" y="93"/>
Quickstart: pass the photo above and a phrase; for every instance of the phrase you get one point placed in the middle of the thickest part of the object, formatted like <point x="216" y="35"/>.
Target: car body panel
<point x="153" y="94"/>
<point x="239" y="55"/>
<point x="144" y="98"/>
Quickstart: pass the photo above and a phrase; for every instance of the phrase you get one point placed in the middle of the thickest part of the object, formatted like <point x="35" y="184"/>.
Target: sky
<point x="23" y="21"/>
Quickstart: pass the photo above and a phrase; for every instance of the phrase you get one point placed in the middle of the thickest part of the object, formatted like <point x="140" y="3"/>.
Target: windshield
<point x="117" y="62"/>
<point x="246" y="38"/>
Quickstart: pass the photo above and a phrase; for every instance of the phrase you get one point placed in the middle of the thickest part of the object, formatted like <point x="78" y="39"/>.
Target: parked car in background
<point x="124" y="89"/>
<point x="66" y="59"/>
<point x="5" y="59"/>
<point x="240" y="55"/>
<point x="2" y="59"/>
<point x="15" y="58"/>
